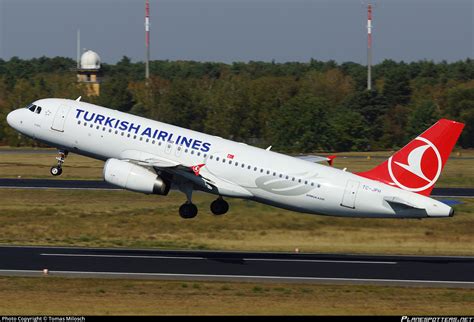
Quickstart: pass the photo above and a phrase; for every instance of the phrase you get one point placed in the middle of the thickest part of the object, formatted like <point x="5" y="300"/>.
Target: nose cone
<point x="14" y="119"/>
<point x="10" y="118"/>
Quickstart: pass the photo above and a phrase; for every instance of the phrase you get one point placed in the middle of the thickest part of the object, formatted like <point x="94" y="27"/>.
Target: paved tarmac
<point x="238" y="266"/>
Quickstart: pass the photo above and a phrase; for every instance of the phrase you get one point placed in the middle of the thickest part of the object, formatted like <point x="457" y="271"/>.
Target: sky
<point x="240" y="30"/>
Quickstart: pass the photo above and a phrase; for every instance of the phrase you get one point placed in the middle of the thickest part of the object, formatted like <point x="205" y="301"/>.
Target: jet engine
<point x="134" y="177"/>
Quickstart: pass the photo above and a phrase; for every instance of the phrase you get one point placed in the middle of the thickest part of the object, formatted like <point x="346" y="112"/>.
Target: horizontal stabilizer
<point x="450" y="202"/>
<point x="399" y="201"/>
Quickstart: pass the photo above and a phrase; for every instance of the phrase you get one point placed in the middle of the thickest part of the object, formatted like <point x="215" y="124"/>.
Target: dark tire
<point x="219" y="207"/>
<point x="188" y="211"/>
<point x="56" y="171"/>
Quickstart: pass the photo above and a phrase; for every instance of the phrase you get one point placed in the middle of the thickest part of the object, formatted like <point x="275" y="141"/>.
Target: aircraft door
<point x="60" y="118"/>
<point x="350" y="194"/>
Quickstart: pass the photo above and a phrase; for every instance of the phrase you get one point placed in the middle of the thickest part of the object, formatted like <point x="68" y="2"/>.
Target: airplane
<point x="151" y="157"/>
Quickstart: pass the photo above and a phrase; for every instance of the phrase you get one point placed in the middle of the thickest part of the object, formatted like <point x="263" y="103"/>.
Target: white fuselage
<point x="237" y="169"/>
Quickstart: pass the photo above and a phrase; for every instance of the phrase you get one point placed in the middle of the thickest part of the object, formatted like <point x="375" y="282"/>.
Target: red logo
<point x="197" y="168"/>
<point x="417" y="166"/>
<point x="230" y="156"/>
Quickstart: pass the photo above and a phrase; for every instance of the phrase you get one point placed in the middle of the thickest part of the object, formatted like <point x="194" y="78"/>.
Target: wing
<point x="203" y="179"/>
<point x="315" y="158"/>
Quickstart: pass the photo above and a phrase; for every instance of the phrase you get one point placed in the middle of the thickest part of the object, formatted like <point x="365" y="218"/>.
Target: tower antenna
<point x="369" y="47"/>
<point x="147" y="39"/>
<point x="78" y="48"/>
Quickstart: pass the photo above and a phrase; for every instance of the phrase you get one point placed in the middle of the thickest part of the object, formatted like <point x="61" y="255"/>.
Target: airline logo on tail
<point x="418" y="165"/>
<point x="423" y="162"/>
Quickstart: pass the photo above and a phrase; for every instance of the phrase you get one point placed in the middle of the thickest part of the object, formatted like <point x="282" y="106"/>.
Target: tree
<point x="349" y="131"/>
<point x="115" y="94"/>
<point x="423" y="116"/>
<point x="302" y="125"/>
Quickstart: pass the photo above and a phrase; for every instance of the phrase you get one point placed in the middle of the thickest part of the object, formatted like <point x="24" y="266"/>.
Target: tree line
<point x="295" y="106"/>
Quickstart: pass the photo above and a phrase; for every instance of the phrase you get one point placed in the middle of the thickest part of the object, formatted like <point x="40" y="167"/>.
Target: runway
<point x="238" y="266"/>
<point x="101" y="185"/>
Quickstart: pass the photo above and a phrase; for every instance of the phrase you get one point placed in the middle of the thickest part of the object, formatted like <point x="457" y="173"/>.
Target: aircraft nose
<point x="14" y="120"/>
<point x="10" y="118"/>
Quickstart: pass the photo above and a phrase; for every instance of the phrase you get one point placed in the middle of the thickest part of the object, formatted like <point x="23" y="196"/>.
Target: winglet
<point x="197" y="168"/>
<point x="331" y="159"/>
<point x="78" y="99"/>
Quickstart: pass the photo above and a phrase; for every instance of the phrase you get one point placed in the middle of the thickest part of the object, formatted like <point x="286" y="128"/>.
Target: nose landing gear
<point x="58" y="169"/>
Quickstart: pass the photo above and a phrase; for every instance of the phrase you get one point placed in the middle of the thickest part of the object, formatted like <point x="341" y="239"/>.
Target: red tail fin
<point x="417" y="166"/>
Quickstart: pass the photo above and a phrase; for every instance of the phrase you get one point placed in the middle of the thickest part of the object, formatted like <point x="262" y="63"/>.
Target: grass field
<point x="61" y="296"/>
<point x="459" y="170"/>
<point x="121" y="218"/>
<point x="127" y="219"/>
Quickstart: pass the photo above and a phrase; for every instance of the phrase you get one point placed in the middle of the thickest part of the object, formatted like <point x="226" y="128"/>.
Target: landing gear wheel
<point x="219" y="207"/>
<point x="188" y="210"/>
<point x="56" y="171"/>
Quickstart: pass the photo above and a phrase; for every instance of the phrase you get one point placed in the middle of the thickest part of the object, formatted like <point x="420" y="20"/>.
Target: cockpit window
<point x="32" y="107"/>
<point x="38" y="110"/>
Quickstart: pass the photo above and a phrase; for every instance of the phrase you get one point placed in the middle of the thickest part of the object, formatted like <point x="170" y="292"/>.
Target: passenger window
<point x="192" y="151"/>
<point x="79" y="122"/>
<point x="141" y="138"/>
<point x="248" y="167"/>
<point x="230" y="161"/>
<point x="211" y="157"/>
<point x="217" y="158"/>
<point x="236" y="164"/>
<point x="92" y="125"/>
<point x="128" y="135"/>
<point x="255" y="169"/>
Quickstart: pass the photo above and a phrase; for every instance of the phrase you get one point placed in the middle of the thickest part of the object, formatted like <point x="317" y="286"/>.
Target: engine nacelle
<point x="134" y="177"/>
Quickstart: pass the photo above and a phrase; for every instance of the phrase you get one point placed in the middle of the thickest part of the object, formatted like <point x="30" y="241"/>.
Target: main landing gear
<point x="58" y="169"/>
<point x="189" y="210"/>
<point x="219" y="206"/>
